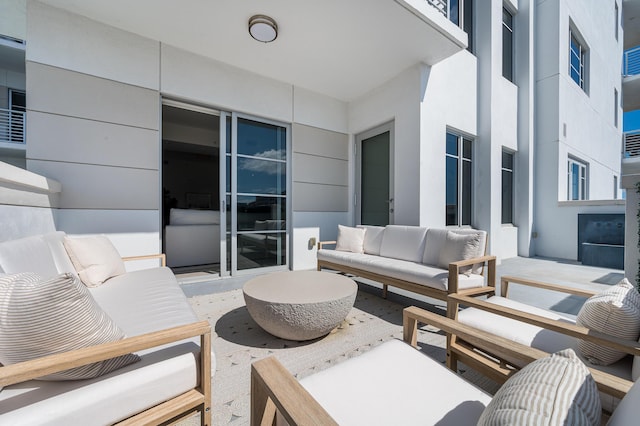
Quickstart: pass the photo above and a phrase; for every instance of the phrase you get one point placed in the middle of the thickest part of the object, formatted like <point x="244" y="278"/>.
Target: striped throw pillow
<point x="615" y="312"/>
<point x="40" y="317"/>
<point x="555" y="390"/>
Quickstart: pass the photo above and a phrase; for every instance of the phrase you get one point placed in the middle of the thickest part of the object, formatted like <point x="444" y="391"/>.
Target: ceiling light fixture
<point x="263" y="28"/>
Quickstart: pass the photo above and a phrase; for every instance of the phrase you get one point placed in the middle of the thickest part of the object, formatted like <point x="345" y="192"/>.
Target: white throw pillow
<point x="554" y="390"/>
<point x="40" y="317"/>
<point x="350" y="239"/>
<point x="460" y="247"/>
<point x="616" y="312"/>
<point x="95" y="259"/>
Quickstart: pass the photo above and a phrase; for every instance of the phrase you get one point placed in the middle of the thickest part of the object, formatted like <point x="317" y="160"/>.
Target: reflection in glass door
<point x="256" y="194"/>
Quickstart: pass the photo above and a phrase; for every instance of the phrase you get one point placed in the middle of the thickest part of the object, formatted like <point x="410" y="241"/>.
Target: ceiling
<point x="341" y="48"/>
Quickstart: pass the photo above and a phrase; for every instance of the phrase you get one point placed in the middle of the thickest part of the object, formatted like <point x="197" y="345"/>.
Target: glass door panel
<point x="256" y="194"/>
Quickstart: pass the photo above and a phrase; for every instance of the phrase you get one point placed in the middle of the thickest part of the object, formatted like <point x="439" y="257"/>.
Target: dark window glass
<point x="452" y="191"/>
<point x="459" y="185"/>
<point x="468" y="23"/>
<point x="261" y="140"/>
<point x="454" y="13"/>
<point x="466" y="192"/>
<point x="507" y="45"/>
<point x="507" y="187"/>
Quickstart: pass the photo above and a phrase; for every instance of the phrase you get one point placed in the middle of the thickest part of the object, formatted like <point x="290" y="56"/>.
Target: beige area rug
<point x="238" y="341"/>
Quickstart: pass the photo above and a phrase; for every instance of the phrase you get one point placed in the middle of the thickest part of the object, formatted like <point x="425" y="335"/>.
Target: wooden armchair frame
<point x="479" y="356"/>
<point x="198" y="399"/>
<point x="489" y="268"/>
<point x="274" y="389"/>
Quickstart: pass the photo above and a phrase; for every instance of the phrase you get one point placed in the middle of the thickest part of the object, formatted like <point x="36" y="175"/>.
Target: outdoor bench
<point x="171" y="379"/>
<point x="431" y="262"/>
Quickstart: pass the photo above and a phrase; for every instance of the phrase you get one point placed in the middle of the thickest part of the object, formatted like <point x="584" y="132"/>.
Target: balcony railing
<point x="631" y="61"/>
<point x="12" y="126"/>
<point x="632" y="144"/>
<point x="441" y="5"/>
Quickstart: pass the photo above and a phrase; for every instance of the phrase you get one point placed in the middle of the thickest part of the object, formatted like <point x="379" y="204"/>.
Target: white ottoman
<point x="299" y="305"/>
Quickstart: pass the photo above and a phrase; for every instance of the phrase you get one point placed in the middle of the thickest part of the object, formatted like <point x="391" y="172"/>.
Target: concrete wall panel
<point x="77" y="140"/>
<point x="310" y="197"/>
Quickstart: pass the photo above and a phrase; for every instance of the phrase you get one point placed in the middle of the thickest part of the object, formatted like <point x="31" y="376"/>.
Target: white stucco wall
<point x="574" y="122"/>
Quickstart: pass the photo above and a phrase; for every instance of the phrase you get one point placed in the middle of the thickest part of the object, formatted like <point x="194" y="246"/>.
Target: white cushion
<point x="193" y="217"/>
<point x="95" y="258"/>
<point x="40" y="317"/>
<point x="627" y="411"/>
<point x="459" y="247"/>
<point x="42" y="254"/>
<point x="350" y="239"/>
<point x="394" y="376"/>
<point x="615" y="312"/>
<point x="403" y="242"/>
<point x="418" y="273"/>
<point x="372" y="238"/>
<point x="436" y="241"/>
<point x="554" y="390"/>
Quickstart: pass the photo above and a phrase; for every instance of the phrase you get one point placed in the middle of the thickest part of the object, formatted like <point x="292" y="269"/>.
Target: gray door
<point x="375" y="194"/>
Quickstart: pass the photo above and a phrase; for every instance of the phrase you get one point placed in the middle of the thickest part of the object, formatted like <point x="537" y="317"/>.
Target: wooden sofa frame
<point x="274" y="389"/>
<point x="479" y="356"/>
<point x="197" y="399"/>
<point x="454" y="271"/>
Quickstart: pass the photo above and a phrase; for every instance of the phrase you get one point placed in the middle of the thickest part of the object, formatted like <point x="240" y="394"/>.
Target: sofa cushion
<point x="615" y="312"/>
<point x="40" y="317"/>
<point x="415" y="272"/>
<point x="459" y="247"/>
<point x="403" y="242"/>
<point x="383" y="377"/>
<point x="95" y="258"/>
<point x="554" y="390"/>
<point x="42" y="254"/>
<point x="350" y="239"/>
<point x="372" y="238"/>
<point x="436" y="240"/>
<point x="193" y="217"/>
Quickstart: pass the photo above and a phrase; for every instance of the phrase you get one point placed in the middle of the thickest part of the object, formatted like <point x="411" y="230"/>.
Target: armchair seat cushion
<point x="397" y="377"/>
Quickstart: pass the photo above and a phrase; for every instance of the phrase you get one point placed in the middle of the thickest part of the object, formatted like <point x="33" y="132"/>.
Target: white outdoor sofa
<point x="192" y="237"/>
<point x="432" y="262"/>
<point x="394" y="383"/>
<point x="172" y="378"/>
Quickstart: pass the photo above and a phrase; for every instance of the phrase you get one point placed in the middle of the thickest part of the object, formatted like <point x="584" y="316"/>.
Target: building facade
<point x="498" y="115"/>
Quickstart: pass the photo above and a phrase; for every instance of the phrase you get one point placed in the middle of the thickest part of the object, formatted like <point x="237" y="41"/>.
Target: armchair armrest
<point x="28" y="370"/>
<point x="628" y="346"/>
<point x="161" y="256"/>
<point x="325" y="243"/>
<point x="454" y="271"/>
<point x="507" y="279"/>
<point x="496" y="347"/>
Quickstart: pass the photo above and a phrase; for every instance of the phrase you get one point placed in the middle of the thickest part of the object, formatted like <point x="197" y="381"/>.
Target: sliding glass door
<point x="256" y="169"/>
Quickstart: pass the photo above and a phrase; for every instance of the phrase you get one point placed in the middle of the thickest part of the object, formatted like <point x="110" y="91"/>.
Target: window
<point x="577" y="60"/>
<point x="507" y="44"/>
<point x="18" y="107"/>
<point x="458" y="180"/>
<point x="507" y="187"/>
<point x="615" y="187"/>
<point x="460" y="12"/>
<point x="576" y="180"/>
<point x="615" y="107"/>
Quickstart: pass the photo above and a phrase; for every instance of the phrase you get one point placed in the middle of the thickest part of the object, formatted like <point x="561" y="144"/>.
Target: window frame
<point x="617" y="19"/>
<point x="582" y="178"/>
<point x="511" y="201"/>
<point x="582" y="55"/>
<point x="508" y="54"/>
<point x="464" y="172"/>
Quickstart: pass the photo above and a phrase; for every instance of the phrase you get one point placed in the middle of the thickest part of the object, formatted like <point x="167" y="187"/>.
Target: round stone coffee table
<point x="299" y="305"/>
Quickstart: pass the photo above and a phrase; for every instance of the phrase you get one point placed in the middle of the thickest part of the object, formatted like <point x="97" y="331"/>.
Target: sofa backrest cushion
<point x="43" y="254"/>
<point x="554" y="390"/>
<point x="403" y="242"/>
<point x="372" y="238"/>
<point x="95" y="258"/>
<point x="193" y="217"/>
<point x="350" y="239"/>
<point x="440" y="246"/>
<point x="40" y="317"/>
